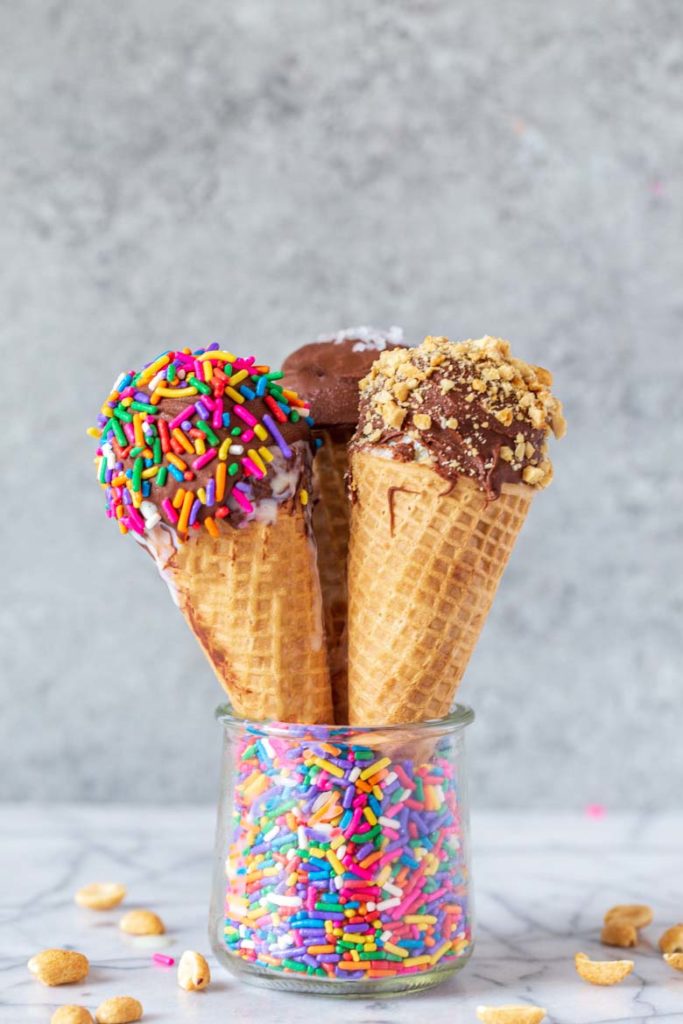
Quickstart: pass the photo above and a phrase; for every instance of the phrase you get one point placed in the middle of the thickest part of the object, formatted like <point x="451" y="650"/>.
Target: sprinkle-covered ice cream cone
<point x="449" y="451"/>
<point x="206" y="459"/>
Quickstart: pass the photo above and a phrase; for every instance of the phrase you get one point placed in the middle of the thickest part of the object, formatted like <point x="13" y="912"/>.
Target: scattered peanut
<point x="100" y="895"/>
<point x="193" y="971"/>
<point x="142" y="922"/>
<point x="511" y="1014"/>
<point x="602" y="972"/>
<point x="618" y="932"/>
<point x="672" y="940"/>
<point x="59" y="967"/>
<point x="637" y="914"/>
<point x="674" y="960"/>
<point x="118" y="1010"/>
<point x="71" y="1014"/>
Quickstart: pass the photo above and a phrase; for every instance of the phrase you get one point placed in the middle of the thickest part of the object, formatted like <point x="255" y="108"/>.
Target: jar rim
<point x="457" y="719"/>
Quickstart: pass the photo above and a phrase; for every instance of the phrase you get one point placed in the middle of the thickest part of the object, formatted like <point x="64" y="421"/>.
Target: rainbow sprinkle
<point x="345" y="864"/>
<point x="160" y="463"/>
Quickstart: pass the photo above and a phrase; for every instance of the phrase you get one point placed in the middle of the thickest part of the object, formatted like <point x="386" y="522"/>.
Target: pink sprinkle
<point x="136" y="520"/>
<point x="161" y="958"/>
<point x="171" y="513"/>
<point x="217" y="418"/>
<point x="250" y="468"/>
<point x="245" y="415"/>
<point x="199" y="370"/>
<point x="129" y="432"/>
<point x="247" y="435"/>
<point x="202" y="460"/>
<point x="595" y="811"/>
<point x="187" y="413"/>
<point x="242" y="500"/>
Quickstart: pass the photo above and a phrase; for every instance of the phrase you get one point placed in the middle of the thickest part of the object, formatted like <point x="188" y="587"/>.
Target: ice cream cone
<point x="331" y="526"/>
<point x="424" y="564"/>
<point x="252" y="599"/>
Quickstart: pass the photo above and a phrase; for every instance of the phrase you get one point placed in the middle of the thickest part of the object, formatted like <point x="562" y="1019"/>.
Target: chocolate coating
<point x="326" y="372"/>
<point x="467" y="409"/>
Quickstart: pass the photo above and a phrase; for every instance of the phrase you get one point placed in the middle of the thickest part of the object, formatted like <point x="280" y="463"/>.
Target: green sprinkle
<point x="346" y="945"/>
<point x="143" y="407"/>
<point x="249" y="752"/>
<point x="235" y="432"/>
<point x="233" y="468"/>
<point x="161" y="476"/>
<point x="294" y="416"/>
<point x="364" y="755"/>
<point x="103" y="469"/>
<point x="294" y="966"/>
<point x="118" y="430"/>
<point x="170" y="373"/>
<point x="362" y="837"/>
<point x="379" y="956"/>
<point x="206" y="429"/>
<point x="199" y="385"/>
<point x="227" y="369"/>
<point x="156" y="450"/>
<point x="274" y="375"/>
<point x="134" y="452"/>
<point x="122" y="413"/>
<point x="137" y="473"/>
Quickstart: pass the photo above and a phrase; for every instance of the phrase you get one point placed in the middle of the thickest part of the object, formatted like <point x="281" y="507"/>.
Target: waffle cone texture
<point x="331" y="522"/>
<point x="252" y="599"/>
<point x="425" y="561"/>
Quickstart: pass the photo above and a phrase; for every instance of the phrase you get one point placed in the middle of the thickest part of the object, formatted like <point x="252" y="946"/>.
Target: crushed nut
<point x="506" y="453"/>
<point x="674" y="960"/>
<point x="193" y="971"/>
<point x="119" y="1010"/>
<point x="100" y="895"/>
<point x="452" y="423"/>
<point x="142" y="922"/>
<point x="602" y="972"/>
<point x="619" y="932"/>
<point x="532" y="475"/>
<point x="637" y="914"/>
<point x="672" y="940"/>
<point x="59" y="967"/>
<point x="392" y="414"/>
<point x="71" y="1014"/>
<point x="422" y="421"/>
<point x="504" y="416"/>
<point x="401" y="392"/>
<point x="447" y="385"/>
<point x="536" y="416"/>
<point x="511" y="1014"/>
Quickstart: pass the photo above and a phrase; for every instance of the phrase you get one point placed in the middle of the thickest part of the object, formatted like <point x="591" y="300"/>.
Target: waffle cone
<point x="252" y="599"/>
<point x="331" y="527"/>
<point x="424" y="566"/>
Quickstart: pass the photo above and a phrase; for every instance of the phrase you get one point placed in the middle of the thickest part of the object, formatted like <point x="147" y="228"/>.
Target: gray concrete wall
<point x="259" y="172"/>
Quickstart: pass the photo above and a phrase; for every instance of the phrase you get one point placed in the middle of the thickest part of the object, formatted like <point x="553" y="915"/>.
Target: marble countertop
<point x="542" y="883"/>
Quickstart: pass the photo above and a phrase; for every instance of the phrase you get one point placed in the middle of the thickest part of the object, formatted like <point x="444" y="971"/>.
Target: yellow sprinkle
<point x="396" y="950"/>
<point x="337" y="841"/>
<point x="147" y="474"/>
<point x="292" y="879"/>
<point x="265" y="453"/>
<point x="238" y="377"/>
<point x="153" y="368"/>
<point x="223" y="450"/>
<point x="119" y="481"/>
<point x="375" y="767"/>
<point x="435" y="957"/>
<point x="370" y="815"/>
<point x="303" y="495"/>
<point x="201" y="494"/>
<point x="235" y="395"/>
<point x="199" y="445"/>
<point x="333" y="769"/>
<point x="178" y="497"/>
<point x="377" y="792"/>
<point x="256" y="459"/>
<point x="213" y="530"/>
<point x="208" y="370"/>
<point x="217" y="354"/>
<point x="420" y="919"/>
<point x="261" y="433"/>
<point x="107" y="410"/>
<point x="416" y="961"/>
<point x="175" y="392"/>
<point x="355" y="955"/>
<point x="126" y="401"/>
<point x="137" y="499"/>
<point x="94" y="432"/>
<point x="335" y="862"/>
<point x="383" y="876"/>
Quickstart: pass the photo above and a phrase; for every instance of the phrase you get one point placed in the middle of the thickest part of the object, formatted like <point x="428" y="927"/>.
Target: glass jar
<point x="342" y="855"/>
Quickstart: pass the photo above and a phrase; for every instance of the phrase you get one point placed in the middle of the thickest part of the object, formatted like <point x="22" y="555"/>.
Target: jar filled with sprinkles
<point x="342" y="855"/>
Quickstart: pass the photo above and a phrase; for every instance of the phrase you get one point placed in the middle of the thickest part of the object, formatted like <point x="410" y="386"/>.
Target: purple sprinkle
<point x="186" y="425"/>
<point x="202" y="411"/>
<point x="211" y="492"/>
<point x="194" y="512"/>
<point x="269" y="422"/>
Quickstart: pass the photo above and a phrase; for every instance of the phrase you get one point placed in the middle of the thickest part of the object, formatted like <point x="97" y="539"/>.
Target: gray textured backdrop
<point x="259" y="172"/>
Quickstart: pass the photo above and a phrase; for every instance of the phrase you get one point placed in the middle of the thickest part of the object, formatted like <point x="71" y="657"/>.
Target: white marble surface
<point x="542" y="883"/>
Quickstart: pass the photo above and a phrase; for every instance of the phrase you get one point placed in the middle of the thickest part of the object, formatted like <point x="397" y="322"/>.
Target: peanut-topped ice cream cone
<point x="449" y="451"/>
<point x="326" y="374"/>
<point x="207" y="460"/>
